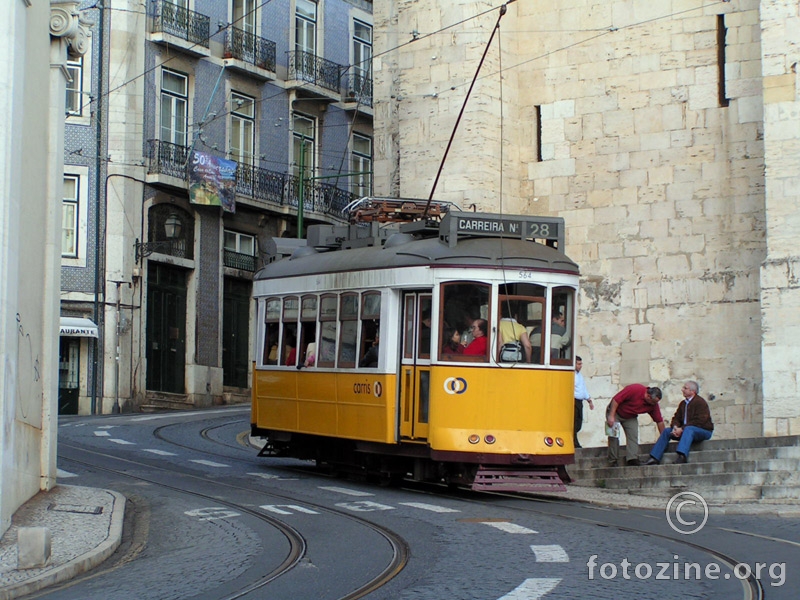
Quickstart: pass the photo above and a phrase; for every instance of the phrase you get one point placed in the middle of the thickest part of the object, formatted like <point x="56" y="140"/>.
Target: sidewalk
<point x="85" y="526"/>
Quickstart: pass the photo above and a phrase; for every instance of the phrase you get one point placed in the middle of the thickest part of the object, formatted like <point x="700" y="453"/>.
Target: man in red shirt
<point x="633" y="400"/>
<point x="477" y="347"/>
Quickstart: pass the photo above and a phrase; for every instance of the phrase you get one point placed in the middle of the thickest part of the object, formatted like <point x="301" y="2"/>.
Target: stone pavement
<point x="85" y="526"/>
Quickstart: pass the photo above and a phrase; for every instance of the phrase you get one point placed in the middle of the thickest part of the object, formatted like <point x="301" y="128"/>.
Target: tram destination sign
<point x="463" y="224"/>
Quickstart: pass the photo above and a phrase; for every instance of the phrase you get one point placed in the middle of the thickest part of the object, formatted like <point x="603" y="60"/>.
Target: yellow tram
<point x="369" y="357"/>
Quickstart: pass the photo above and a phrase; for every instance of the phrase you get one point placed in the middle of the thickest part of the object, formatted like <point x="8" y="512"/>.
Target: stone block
<point x="33" y="545"/>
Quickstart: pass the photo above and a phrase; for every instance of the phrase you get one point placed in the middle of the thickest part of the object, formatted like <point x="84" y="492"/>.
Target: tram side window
<point x="562" y="330"/>
<point x="525" y="302"/>
<point x="520" y="314"/>
<point x="370" y="326"/>
<point x="465" y="310"/>
<point x="348" y="330"/>
<point x="328" y="312"/>
<point x="308" y="331"/>
<point x="289" y="339"/>
<point x="424" y="337"/>
<point x="272" y="329"/>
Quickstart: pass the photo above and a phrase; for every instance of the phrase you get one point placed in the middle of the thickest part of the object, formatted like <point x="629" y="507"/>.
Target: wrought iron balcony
<point x="237" y="260"/>
<point x="274" y="189"/>
<point x="304" y="66"/>
<point x="358" y="88"/>
<point x="250" y="48"/>
<point x="167" y="159"/>
<point x="181" y="22"/>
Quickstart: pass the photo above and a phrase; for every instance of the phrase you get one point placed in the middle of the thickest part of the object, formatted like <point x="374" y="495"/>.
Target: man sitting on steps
<point x="691" y="423"/>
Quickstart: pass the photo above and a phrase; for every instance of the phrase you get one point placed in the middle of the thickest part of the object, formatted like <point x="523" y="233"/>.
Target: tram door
<point x="415" y="366"/>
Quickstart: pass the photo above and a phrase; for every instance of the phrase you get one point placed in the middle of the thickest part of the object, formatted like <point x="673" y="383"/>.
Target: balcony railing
<point x="305" y="66"/>
<point x="181" y="22"/>
<point x="275" y="189"/>
<point x="168" y="159"/>
<point x="358" y="89"/>
<point x="237" y="260"/>
<point x="250" y="48"/>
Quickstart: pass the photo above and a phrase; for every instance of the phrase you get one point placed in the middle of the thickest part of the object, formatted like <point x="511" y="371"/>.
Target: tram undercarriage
<point x="390" y="464"/>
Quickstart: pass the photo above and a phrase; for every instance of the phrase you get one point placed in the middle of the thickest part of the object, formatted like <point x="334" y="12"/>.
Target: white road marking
<point x="211" y="513"/>
<point x="121" y="442"/>
<point x="208" y="463"/>
<point x="430" y="507"/>
<point x="531" y="589"/>
<point x="159" y="452"/>
<point x="102" y="434"/>
<point x="281" y="509"/>
<point x="345" y="491"/>
<point x="509" y="527"/>
<point x="552" y="554"/>
<point x="64" y="474"/>
<point x="106" y="426"/>
<point x="278" y="477"/>
<point x="364" y="506"/>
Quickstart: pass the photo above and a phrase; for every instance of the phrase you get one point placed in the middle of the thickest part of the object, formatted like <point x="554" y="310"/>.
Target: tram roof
<point x="403" y="251"/>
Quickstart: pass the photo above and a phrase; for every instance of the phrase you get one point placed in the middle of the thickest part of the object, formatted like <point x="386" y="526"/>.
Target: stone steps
<point x="757" y="469"/>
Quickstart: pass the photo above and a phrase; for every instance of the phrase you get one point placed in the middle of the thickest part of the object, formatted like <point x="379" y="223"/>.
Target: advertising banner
<point x="212" y="181"/>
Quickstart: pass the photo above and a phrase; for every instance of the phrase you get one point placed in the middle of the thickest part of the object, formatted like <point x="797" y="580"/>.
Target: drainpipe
<point x="98" y="248"/>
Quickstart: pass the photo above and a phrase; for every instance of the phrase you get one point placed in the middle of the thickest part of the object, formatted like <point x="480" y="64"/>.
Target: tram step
<point x="494" y="480"/>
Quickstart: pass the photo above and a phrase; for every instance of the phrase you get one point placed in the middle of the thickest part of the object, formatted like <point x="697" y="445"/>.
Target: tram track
<point x="752" y="589"/>
<point x="297" y="544"/>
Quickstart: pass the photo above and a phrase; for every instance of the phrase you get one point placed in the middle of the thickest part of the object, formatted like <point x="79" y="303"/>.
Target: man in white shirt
<point x="581" y="396"/>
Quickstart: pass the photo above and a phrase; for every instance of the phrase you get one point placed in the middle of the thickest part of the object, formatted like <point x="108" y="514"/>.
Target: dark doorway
<point x="235" y="332"/>
<point x="69" y="368"/>
<point x="166" y="328"/>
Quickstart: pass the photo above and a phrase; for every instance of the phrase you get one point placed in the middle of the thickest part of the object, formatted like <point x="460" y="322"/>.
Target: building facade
<point x="206" y="129"/>
<point x="666" y="135"/>
<point x="39" y="38"/>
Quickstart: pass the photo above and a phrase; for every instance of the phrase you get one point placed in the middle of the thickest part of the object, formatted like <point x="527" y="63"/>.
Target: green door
<point x="166" y="328"/>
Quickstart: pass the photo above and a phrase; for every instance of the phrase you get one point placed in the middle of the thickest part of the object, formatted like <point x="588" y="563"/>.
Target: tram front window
<point x="466" y="308"/>
<point x="561" y="333"/>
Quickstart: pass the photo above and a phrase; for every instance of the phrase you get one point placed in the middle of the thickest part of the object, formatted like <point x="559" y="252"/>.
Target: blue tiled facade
<point x="266" y="203"/>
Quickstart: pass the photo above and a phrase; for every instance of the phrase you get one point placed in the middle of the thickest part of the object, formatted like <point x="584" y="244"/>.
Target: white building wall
<point x="672" y="201"/>
<point x="32" y="96"/>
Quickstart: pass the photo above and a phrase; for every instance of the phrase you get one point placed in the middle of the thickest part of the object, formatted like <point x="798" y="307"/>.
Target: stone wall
<point x="674" y="186"/>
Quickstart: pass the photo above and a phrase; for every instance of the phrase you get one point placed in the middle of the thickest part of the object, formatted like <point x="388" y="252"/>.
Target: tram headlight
<point x="548" y="441"/>
<point x="560" y="442"/>
<point x="474" y="438"/>
<point x="490" y="439"/>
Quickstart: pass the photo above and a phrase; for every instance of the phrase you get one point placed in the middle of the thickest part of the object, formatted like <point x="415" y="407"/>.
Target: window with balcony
<point x="306" y="26"/>
<point x="75" y="88"/>
<point x="305" y="39"/>
<point x="70" y="210"/>
<point x="361" y="82"/>
<point x="361" y="166"/>
<point x="239" y="250"/>
<point x="304" y="144"/>
<point x="174" y="107"/>
<point x="243" y="114"/>
<point x="244" y="15"/>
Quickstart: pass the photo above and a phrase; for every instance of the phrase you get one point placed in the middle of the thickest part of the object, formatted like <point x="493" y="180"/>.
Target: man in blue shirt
<point x="581" y="396"/>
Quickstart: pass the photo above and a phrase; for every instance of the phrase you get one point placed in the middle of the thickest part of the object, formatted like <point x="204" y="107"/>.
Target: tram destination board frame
<point x="457" y="224"/>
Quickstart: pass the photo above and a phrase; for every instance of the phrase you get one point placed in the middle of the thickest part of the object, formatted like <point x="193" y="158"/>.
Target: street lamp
<point x="172" y="227"/>
<point x="172" y="231"/>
